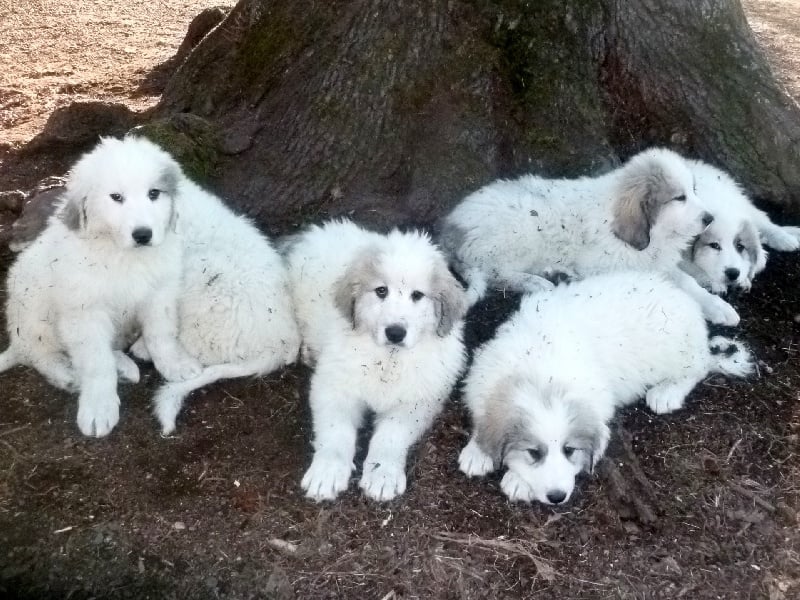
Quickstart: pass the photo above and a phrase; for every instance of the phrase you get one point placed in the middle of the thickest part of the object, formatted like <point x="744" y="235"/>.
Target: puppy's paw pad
<point x="97" y="417"/>
<point x="326" y="478"/>
<point x="474" y="462"/>
<point x="383" y="482"/>
<point x="516" y="488"/>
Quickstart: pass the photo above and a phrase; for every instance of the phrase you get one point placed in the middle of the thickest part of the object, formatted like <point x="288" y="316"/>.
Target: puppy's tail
<point x="8" y="359"/>
<point x="730" y="357"/>
<point x="170" y="396"/>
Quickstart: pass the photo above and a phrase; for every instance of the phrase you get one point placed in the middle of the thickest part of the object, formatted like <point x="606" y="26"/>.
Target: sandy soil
<point x="700" y="504"/>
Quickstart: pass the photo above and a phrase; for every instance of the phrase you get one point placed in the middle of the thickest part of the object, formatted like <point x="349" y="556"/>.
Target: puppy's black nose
<point x="556" y="496"/>
<point x="707" y="219"/>
<point x="395" y="333"/>
<point x="732" y="274"/>
<point x="142" y="235"/>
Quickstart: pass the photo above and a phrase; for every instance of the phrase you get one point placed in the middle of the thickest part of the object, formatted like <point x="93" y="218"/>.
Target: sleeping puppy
<point x="542" y="392"/>
<point x="643" y="215"/>
<point x="381" y="319"/>
<point x="729" y="253"/>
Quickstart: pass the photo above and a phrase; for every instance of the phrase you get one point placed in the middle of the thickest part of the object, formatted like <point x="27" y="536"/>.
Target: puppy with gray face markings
<point x="541" y="393"/>
<point x="729" y="253"/>
<point x="514" y="234"/>
<point x="381" y="319"/>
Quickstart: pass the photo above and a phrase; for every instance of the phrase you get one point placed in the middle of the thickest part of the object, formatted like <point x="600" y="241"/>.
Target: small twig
<point x="733" y="449"/>
<point x="283" y="545"/>
<point x="14" y="430"/>
<point x="753" y="496"/>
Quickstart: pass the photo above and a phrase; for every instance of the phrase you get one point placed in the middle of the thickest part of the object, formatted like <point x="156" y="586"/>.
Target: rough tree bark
<point x="394" y="109"/>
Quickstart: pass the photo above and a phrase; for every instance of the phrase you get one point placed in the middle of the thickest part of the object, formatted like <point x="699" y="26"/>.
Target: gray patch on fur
<point x="640" y="197"/>
<point x="502" y="427"/>
<point x="748" y="236"/>
<point x="450" y="299"/>
<point x="353" y="283"/>
<point x="73" y="212"/>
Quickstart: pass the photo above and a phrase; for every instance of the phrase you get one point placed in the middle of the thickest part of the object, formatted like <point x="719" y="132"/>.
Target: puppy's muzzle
<point x="732" y="274"/>
<point x="556" y="496"/>
<point x="142" y="235"/>
<point x="395" y="334"/>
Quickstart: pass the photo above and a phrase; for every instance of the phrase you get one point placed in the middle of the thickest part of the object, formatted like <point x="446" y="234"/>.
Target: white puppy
<point x="729" y="254"/>
<point x="234" y="305"/>
<point x="107" y="264"/>
<point x="643" y="215"/>
<point x="543" y="390"/>
<point x="381" y="318"/>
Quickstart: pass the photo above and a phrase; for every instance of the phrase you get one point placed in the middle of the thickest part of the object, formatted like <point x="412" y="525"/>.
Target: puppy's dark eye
<point x="416" y="295"/>
<point x="568" y="451"/>
<point x="535" y="453"/>
<point x="381" y="292"/>
<point x="715" y="246"/>
<point x="740" y="247"/>
<point x="154" y="194"/>
<point x="116" y="197"/>
<point x="681" y="198"/>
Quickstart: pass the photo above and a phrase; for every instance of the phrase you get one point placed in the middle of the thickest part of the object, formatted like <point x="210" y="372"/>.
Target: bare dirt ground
<point x="700" y="504"/>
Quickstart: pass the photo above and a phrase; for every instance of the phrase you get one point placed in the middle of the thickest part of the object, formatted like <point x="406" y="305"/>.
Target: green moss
<point x="190" y="139"/>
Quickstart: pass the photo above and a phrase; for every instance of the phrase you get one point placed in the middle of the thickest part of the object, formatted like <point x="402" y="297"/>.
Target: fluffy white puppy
<point x="729" y="253"/>
<point x="235" y="313"/>
<point x="381" y="319"/>
<point x="108" y="263"/>
<point x="643" y="215"/>
<point x="543" y="390"/>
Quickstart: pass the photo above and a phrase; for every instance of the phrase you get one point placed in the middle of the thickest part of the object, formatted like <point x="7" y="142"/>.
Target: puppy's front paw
<point x="785" y="239"/>
<point x="97" y="414"/>
<point x="662" y="400"/>
<point x="720" y="312"/>
<point x="473" y="461"/>
<point x="140" y="351"/>
<point x="326" y="478"/>
<point x="383" y="481"/>
<point x="516" y="488"/>
<point x="180" y="368"/>
<point x="126" y="368"/>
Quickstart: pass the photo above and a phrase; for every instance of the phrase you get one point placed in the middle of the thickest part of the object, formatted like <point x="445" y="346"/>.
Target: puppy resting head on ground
<point x="547" y="433"/>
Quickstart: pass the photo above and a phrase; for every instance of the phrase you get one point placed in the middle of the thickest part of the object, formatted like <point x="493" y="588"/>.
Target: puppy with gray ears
<point x="541" y="393"/>
<point x="643" y="215"/>
<point x="729" y="253"/>
<point x="381" y="319"/>
<point x="107" y="264"/>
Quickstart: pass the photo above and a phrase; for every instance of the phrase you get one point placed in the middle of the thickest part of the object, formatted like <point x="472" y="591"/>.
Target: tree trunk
<point x="395" y="109"/>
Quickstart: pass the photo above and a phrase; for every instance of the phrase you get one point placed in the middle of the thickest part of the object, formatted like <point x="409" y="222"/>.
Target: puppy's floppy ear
<point x="450" y="299"/>
<point x="72" y="211"/>
<point x="501" y="427"/>
<point x="637" y="203"/>
<point x="354" y="282"/>
<point x="752" y="243"/>
<point x="168" y="183"/>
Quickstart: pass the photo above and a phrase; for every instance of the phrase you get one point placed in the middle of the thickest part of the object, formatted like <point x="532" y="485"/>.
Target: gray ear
<point x="593" y="437"/>
<point x="637" y="203"/>
<point x="450" y="299"/>
<point x="354" y="282"/>
<point x="73" y="211"/>
<point x="758" y="256"/>
<point x="501" y="427"/>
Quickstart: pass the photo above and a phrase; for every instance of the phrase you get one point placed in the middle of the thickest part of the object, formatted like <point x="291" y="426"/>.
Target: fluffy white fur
<point x="107" y="264"/>
<point x="729" y="253"/>
<point x="234" y="306"/>
<point x="643" y="215"/>
<point x="381" y="319"/>
<point x="543" y="390"/>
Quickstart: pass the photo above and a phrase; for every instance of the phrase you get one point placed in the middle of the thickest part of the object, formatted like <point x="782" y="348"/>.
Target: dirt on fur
<point x="703" y="503"/>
